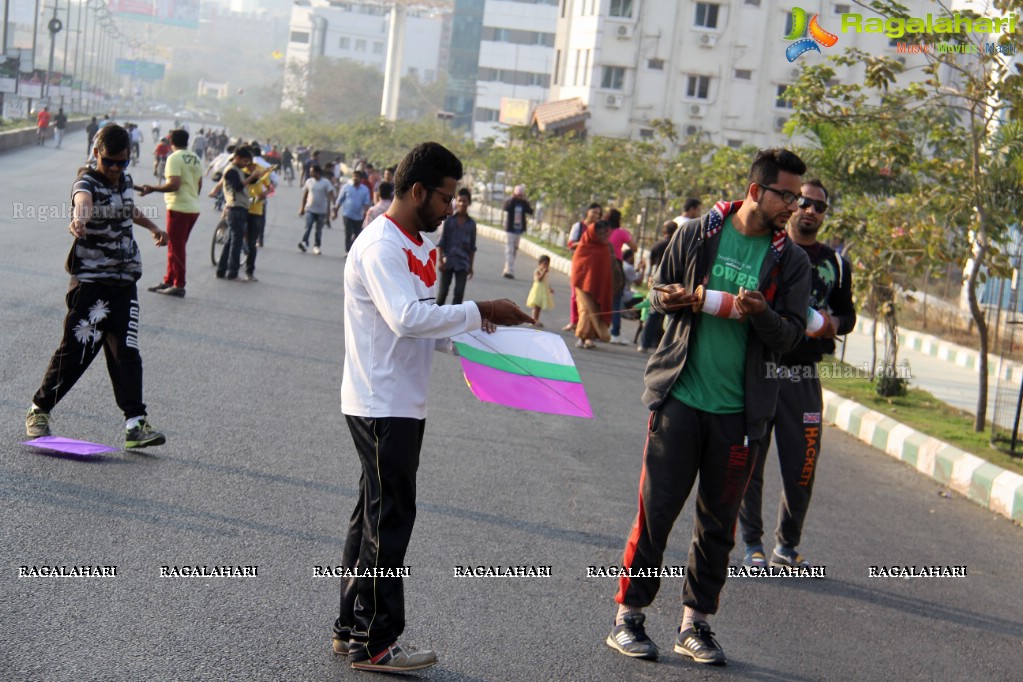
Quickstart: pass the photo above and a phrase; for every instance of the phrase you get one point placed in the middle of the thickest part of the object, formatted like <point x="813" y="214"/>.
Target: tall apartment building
<point x="502" y="56"/>
<point x="716" y="68"/>
<point x="359" y="31"/>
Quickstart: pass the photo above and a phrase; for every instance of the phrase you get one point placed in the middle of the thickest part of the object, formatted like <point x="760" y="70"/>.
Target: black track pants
<point x="797" y="434"/>
<point x="682" y="443"/>
<point x="372" y="614"/>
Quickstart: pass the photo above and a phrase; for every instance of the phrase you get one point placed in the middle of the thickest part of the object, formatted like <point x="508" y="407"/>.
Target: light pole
<point x="54" y="26"/>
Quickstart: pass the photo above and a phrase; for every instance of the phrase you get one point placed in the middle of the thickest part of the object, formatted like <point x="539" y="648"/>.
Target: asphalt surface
<point x="259" y="471"/>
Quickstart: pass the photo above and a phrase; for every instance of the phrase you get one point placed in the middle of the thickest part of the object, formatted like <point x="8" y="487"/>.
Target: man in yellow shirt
<point x="181" y="195"/>
<point x="258" y="192"/>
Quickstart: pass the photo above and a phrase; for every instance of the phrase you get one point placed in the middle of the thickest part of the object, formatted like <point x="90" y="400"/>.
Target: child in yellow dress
<point x="541" y="296"/>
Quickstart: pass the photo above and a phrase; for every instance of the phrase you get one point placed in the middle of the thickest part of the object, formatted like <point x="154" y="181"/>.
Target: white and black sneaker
<point x="698" y="643"/>
<point x="630" y="638"/>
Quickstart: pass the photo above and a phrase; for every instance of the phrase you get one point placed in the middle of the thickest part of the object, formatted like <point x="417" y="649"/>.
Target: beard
<point x="429" y="222"/>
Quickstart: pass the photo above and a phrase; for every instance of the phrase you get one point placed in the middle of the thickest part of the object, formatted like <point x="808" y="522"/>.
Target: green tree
<point x="962" y="101"/>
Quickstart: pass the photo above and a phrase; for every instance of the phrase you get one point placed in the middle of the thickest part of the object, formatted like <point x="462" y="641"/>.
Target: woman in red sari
<point x="593" y="279"/>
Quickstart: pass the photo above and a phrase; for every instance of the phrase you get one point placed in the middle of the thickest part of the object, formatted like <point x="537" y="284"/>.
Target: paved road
<point x="946" y="381"/>
<point x="259" y="471"/>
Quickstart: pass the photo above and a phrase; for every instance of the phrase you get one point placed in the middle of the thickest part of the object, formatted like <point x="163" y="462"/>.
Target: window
<point x="360" y="45"/>
<point x="378" y="47"/>
<point x="300" y="36"/>
<point x="613" y="78"/>
<point x="578" y="59"/>
<point x="698" y="87"/>
<point x="780" y="102"/>
<point x="655" y="64"/>
<point x="841" y="9"/>
<point x="557" y="66"/>
<point x="646" y="134"/>
<point x="484" y="115"/>
<point x="743" y="74"/>
<point x="734" y="144"/>
<point x="621" y="8"/>
<point x="344" y="43"/>
<point x="755" y="3"/>
<point x="586" y="70"/>
<point x="706" y="15"/>
<point x="563" y="3"/>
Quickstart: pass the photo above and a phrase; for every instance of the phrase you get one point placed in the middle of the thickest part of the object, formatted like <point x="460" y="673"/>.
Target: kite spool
<point x="818" y="322"/>
<point x="717" y="303"/>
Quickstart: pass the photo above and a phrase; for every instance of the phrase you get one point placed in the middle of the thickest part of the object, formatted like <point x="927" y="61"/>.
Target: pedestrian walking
<point x="516" y="208"/>
<point x="457" y="249"/>
<point x="181" y="197"/>
<point x="317" y="195"/>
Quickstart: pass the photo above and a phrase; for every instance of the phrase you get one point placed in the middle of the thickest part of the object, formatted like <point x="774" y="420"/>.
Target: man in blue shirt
<point x="457" y="249"/>
<point x="353" y="201"/>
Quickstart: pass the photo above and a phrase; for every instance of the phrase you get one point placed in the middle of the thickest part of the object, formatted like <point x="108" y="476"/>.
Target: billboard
<point x="514" y="112"/>
<point x="138" y="68"/>
<point x="175" y="12"/>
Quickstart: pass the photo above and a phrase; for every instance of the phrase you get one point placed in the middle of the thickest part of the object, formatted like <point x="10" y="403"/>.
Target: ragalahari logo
<point x="799" y="28"/>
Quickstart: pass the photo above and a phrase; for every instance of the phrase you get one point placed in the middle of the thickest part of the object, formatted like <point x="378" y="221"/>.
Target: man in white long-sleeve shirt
<point x="392" y="327"/>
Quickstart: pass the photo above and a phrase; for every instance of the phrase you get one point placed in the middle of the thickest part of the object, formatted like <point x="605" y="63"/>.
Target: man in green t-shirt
<point x="735" y="292"/>
<point x="181" y="195"/>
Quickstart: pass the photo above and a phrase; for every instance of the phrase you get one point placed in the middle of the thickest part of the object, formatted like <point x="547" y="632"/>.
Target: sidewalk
<point x="945" y="370"/>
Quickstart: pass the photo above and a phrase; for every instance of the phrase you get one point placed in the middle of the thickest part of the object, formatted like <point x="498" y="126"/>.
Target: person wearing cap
<point x="516" y="208"/>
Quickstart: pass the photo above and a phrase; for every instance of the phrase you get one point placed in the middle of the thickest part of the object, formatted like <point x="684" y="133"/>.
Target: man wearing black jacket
<point x="797" y="424"/>
<point x="710" y="393"/>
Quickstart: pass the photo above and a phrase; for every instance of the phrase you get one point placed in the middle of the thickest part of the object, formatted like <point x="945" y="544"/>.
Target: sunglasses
<point x="818" y="205"/>
<point x="118" y="163"/>
<point x="786" y="196"/>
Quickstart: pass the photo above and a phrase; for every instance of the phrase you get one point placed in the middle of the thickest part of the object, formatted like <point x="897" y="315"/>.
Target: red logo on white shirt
<point x="427" y="271"/>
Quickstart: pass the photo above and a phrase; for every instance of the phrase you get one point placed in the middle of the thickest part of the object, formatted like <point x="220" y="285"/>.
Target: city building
<point x="358" y="31"/>
<point x="502" y="57"/>
<point x="713" y="68"/>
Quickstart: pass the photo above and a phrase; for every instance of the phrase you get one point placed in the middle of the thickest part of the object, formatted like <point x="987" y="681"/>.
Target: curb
<point x="960" y="356"/>
<point x="988" y="485"/>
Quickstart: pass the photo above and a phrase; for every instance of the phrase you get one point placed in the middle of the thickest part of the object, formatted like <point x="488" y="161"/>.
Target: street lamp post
<point x="54" y="26"/>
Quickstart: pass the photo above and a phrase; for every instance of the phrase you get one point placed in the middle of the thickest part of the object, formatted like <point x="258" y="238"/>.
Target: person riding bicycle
<point x="160" y="154"/>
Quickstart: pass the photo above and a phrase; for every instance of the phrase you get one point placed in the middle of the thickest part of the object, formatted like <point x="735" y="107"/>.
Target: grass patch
<point x="920" y="410"/>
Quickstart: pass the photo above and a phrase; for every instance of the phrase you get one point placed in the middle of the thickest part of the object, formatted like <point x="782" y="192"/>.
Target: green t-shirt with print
<point x="714" y="376"/>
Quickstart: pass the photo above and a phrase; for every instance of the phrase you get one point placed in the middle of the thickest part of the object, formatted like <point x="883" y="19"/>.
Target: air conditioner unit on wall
<point x="709" y="40"/>
<point x="692" y="130"/>
<point x="780" y="122"/>
<point x="624" y="31"/>
<point x="697" y="110"/>
<point x="795" y="73"/>
<point x="614" y="101"/>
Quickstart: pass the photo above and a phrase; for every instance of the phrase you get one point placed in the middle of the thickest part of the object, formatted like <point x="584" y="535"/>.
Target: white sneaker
<point x="316" y="250"/>
<point x="618" y="341"/>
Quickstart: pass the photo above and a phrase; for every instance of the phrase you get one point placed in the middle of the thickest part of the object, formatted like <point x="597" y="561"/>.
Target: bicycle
<point x="220" y="237"/>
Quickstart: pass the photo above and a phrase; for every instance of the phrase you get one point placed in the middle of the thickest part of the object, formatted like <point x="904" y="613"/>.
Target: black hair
<point x="614" y="218"/>
<point x="669" y="227"/>
<point x="594" y="205"/>
<point x="691" y="203"/>
<point x="817" y="183"/>
<point x="179" y="138"/>
<point x="243" y="151"/>
<point x="315" y="167"/>
<point x="769" y="162"/>
<point x="429" y="164"/>
<point x="464" y="192"/>
<point x="544" y="258"/>
<point x="112" y="138"/>
<point x="386" y="190"/>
